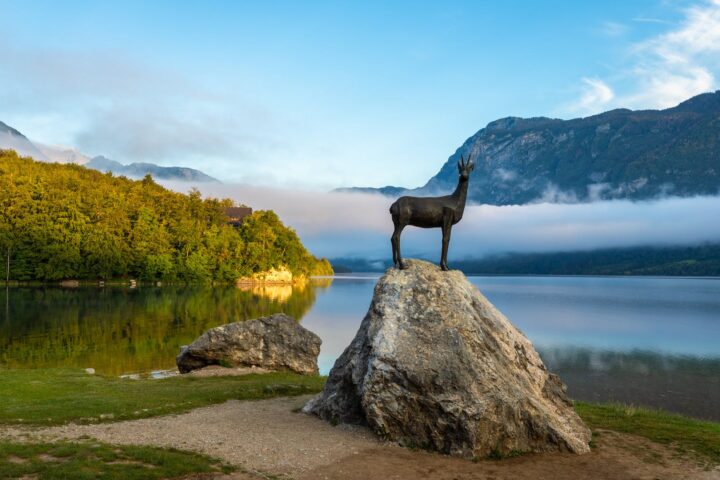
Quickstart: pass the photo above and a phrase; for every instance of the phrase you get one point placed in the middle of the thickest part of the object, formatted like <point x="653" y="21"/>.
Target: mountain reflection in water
<point x="683" y="384"/>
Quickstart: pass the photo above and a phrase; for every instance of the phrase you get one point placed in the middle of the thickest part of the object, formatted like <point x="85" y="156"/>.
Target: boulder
<point x="435" y="365"/>
<point x="277" y="342"/>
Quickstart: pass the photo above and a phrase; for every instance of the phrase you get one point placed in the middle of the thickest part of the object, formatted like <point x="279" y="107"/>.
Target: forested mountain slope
<point x="69" y="222"/>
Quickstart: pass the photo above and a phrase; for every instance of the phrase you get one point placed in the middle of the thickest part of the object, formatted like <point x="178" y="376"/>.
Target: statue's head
<point x="465" y="167"/>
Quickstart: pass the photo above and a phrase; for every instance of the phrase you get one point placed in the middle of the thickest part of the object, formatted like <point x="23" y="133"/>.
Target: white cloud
<point x="699" y="34"/>
<point x="613" y="29"/>
<point x="106" y="103"/>
<point x="504" y="175"/>
<point x="664" y="87"/>
<point x="596" y="96"/>
<point x="680" y="63"/>
<point x="663" y="70"/>
<point x="651" y="20"/>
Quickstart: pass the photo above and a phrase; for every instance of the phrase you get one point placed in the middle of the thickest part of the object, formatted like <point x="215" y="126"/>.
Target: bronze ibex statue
<point x="431" y="212"/>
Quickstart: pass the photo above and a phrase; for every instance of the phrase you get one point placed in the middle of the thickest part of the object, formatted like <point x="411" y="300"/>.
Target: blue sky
<point x="316" y="95"/>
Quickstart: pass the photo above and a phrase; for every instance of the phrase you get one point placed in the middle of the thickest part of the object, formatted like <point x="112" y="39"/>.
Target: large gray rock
<point x="276" y="343"/>
<point x="437" y="366"/>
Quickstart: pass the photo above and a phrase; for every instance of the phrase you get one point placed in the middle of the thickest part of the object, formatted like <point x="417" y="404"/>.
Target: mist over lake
<point x="358" y="225"/>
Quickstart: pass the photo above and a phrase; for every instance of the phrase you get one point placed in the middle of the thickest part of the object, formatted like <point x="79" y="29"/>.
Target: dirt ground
<point x="271" y="439"/>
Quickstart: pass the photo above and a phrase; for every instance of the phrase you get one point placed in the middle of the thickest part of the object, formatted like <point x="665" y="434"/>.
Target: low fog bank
<point x="340" y="224"/>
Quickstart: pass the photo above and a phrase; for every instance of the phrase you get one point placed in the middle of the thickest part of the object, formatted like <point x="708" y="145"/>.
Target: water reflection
<point x="647" y="341"/>
<point x="673" y="315"/>
<point x="122" y="330"/>
<point x="679" y="383"/>
<point x="278" y="293"/>
<point x="336" y="316"/>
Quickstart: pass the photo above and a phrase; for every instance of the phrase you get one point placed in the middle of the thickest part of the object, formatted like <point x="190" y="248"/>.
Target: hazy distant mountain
<point x="105" y="165"/>
<point x="60" y="154"/>
<point x="617" y="154"/>
<point x="11" y="139"/>
<point x="139" y="170"/>
<point x="389" y="191"/>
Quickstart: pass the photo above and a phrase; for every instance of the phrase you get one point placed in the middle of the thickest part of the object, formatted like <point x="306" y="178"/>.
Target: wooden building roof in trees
<point x="235" y="215"/>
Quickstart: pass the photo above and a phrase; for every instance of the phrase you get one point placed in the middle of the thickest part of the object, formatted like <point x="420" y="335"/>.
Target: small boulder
<point x="277" y="342"/>
<point x="435" y="365"/>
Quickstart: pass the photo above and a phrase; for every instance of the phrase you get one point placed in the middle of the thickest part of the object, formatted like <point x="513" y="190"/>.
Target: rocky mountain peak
<point x="619" y="154"/>
<point x="5" y="128"/>
<point x="519" y="123"/>
<point x="701" y="103"/>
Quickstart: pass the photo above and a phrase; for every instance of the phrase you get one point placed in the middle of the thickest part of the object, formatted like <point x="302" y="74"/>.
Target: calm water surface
<point x="649" y="341"/>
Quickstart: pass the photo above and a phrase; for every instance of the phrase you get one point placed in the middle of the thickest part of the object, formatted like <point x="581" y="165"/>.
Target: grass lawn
<point x="57" y="396"/>
<point x="93" y="460"/>
<point x="687" y="435"/>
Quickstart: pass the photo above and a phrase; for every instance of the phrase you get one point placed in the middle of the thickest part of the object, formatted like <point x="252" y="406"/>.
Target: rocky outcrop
<point x="281" y="275"/>
<point x="275" y="343"/>
<point x="437" y="366"/>
<point x="620" y="154"/>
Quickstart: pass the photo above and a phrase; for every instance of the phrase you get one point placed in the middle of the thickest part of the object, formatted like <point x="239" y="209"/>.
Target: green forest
<point x="67" y="222"/>
<point x="699" y="260"/>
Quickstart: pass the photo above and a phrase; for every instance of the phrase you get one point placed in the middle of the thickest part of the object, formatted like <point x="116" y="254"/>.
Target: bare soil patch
<point x="616" y="456"/>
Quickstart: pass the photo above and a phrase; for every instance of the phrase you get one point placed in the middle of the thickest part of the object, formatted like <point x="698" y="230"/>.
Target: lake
<point x="644" y="341"/>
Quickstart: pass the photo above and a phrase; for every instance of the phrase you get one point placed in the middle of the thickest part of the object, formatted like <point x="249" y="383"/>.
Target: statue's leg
<point x="397" y="258"/>
<point x="394" y="243"/>
<point x="446" y="229"/>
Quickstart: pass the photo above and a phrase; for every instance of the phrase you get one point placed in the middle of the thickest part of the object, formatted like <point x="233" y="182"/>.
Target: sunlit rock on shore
<point x="279" y="276"/>
<point x="435" y="365"/>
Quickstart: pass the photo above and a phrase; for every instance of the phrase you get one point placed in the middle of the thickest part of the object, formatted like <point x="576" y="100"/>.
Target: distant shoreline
<point x="369" y="275"/>
<point x="343" y="276"/>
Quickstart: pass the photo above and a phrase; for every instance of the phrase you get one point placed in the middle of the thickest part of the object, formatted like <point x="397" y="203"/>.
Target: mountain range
<point x="620" y="154"/>
<point x="12" y="139"/>
<point x="139" y="170"/>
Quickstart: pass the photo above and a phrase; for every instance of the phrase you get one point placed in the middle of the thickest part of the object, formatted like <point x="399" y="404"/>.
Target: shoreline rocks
<point x="435" y="365"/>
<point x="275" y="276"/>
<point x="277" y="342"/>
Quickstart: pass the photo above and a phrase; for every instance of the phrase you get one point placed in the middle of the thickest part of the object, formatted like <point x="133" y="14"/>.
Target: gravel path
<point x="267" y="439"/>
<point x="260" y="436"/>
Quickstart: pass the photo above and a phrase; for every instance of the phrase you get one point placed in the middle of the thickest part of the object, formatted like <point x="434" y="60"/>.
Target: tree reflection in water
<point x="119" y="330"/>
